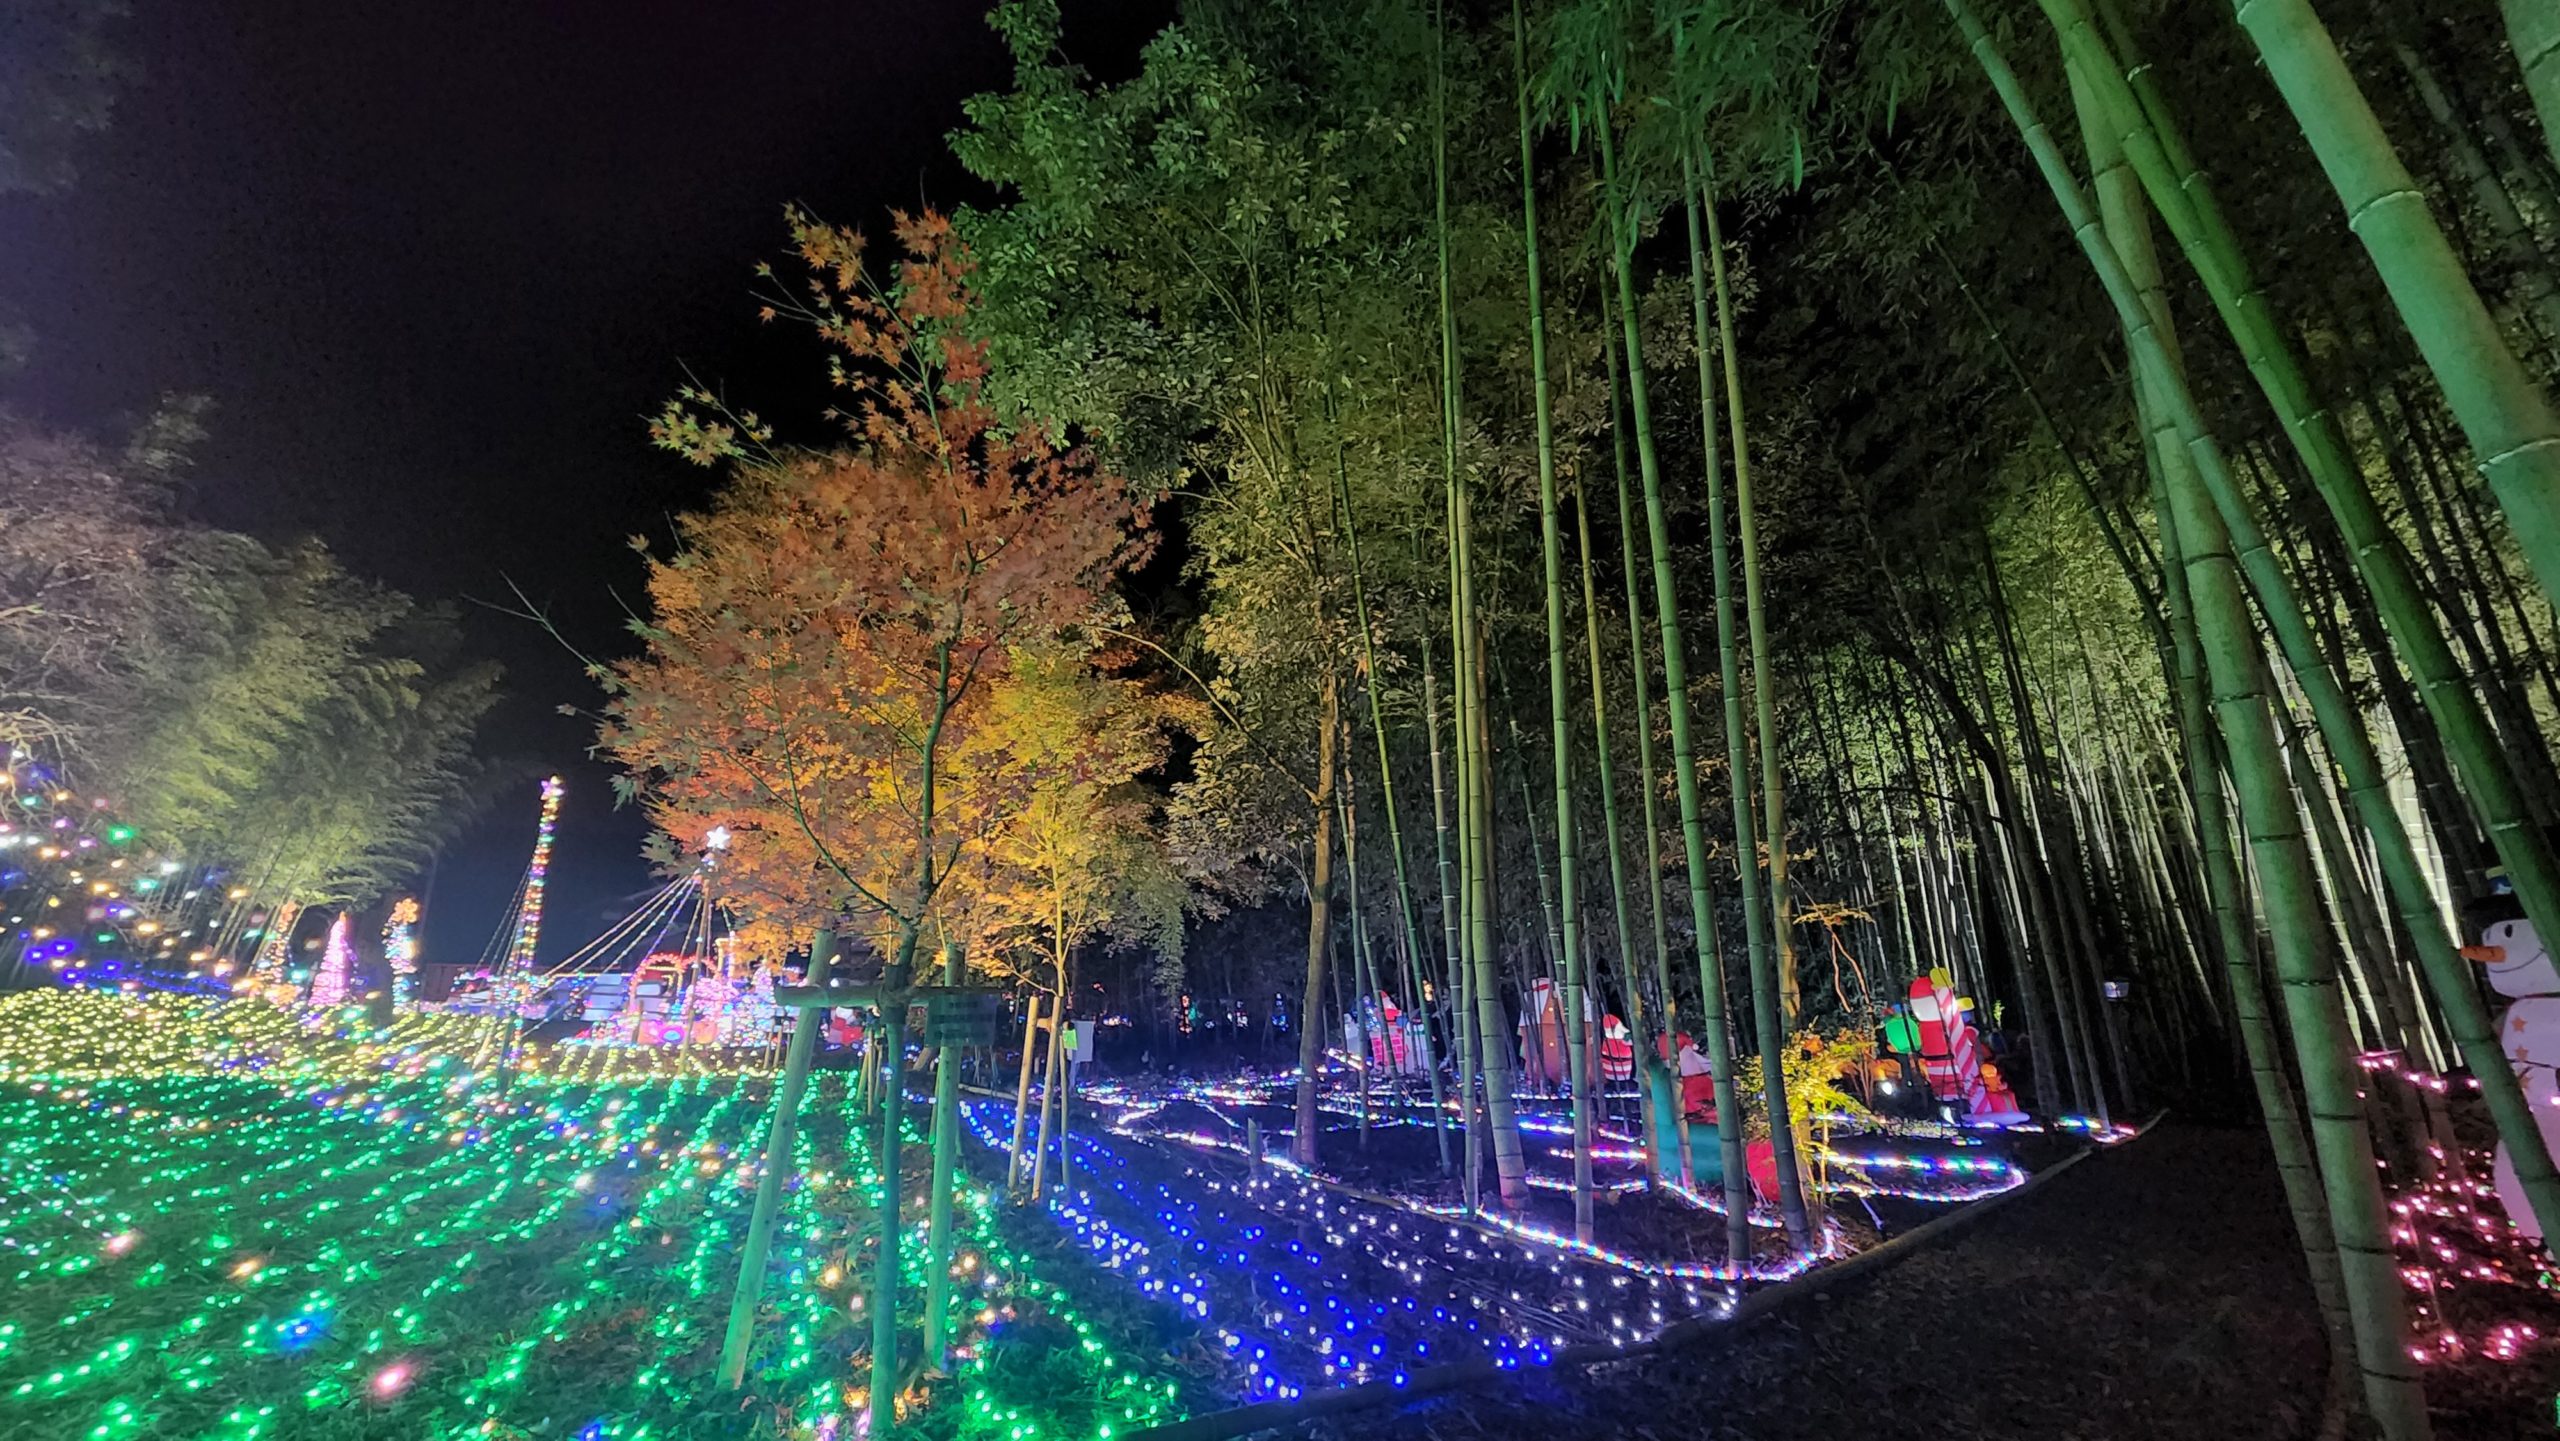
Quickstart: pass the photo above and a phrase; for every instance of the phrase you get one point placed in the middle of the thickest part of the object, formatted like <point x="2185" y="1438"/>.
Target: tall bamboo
<point x="1637" y="1015"/>
<point x="2185" y="204"/>
<point x="2325" y="1050"/>
<point x="1387" y="790"/>
<point x="1551" y="545"/>
<point x="2224" y="884"/>
<point x="1492" y="1022"/>
<point x="1475" y="778"/>
<point x="2375" y="1299"/>
<point x="1657" y="1063"/>
<point x="2509" y="420"/>
<point x="1675" y="684"/>
<point x="2138" y="116"/>
<point x="1772" y="960"/>
<point x="1451" y="921"/>
<point x="1364" y="978"/>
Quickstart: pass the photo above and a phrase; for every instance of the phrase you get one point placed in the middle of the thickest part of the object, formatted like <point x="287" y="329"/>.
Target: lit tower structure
<point x="514" y="984"/>
<point x="267" y="965"/>
<point x="515" y="975"/>
<point x="400" y="948"/>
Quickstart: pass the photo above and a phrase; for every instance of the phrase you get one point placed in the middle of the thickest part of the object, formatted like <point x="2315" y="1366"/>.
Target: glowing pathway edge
<point x="1693" y="1334"/>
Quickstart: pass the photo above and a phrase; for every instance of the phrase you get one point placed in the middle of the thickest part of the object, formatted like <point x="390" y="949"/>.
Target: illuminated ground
<point x="232" y="1221"/>
<point x="224" y="1226"/>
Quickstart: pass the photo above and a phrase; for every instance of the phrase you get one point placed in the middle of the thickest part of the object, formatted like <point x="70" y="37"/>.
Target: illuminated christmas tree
<point x="752" y="1021"/>
<point x="329" y="983"/>
<point x="712" y="998"/>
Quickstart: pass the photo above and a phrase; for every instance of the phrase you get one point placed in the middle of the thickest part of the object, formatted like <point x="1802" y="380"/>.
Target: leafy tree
<point x="240" y="704"/>
<point x="1191" y="266"/>
<point x="828" y="642"/>
<point x="79" y="540"/>
<point x="58" y="81"/>
<point x="1081" y="857"/>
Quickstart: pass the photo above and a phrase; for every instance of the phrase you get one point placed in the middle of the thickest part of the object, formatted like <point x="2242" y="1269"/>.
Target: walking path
<point x="2152" y="1291"/>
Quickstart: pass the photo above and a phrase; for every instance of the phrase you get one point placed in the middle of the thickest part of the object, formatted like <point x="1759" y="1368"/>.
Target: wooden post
<point x="777" y="1159"/>
<point x="1066" y="1098"/>
<point x="1022" y="1091"/>
<point x="892" y="1092"/>
<point x="946" y="1151"/>
<point x="1049" y="1093"/>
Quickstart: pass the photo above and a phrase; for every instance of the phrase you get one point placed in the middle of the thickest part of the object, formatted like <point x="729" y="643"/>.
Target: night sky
<point x="435" y="263"/>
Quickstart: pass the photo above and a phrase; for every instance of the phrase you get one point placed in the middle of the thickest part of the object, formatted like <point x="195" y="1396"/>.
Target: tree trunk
<point x="1311" y="1029"/>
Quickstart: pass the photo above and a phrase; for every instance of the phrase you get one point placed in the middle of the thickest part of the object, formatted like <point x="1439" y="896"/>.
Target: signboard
<point x="1080" y="1043"/>
<point x="963" y="1020"/>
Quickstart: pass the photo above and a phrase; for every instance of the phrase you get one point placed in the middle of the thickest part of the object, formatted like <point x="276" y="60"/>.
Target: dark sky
<point x="435" y="262"/>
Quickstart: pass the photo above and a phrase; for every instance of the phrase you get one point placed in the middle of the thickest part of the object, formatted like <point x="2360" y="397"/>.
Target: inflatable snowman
<point x="2519" y="967"/>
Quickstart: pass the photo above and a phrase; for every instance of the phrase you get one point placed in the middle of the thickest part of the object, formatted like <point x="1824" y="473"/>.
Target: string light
<point x="225" y="1218"/>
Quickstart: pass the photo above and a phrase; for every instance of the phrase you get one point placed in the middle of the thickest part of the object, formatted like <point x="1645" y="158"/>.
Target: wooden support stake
<point x="1022" y="1091"/>
<point x="777" y="1159"/>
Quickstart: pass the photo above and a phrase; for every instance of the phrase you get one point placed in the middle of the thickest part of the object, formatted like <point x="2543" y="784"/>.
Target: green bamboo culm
<point x="1475" y="780"/>
<point x="2323" y="1044"/>
<point x="2277" y="1108"/>
<point x="1657" y="1063"/>
<point x="2507" y="417"/>
<point x="1769" y="991"/>
<point x="2128" y="231"/>
<point x="2117" y="81"/>
<point x="1577" y="1039"/>
<point x="1638" y="1017"/>
<point x="1675" y="684"/>
<point x="2533" y="32"/>
<point x="1387" y="790"/>
<point x="2186" y="201"/>
<point x="1454" y="945"/>
<point x="2376" y="1304"/>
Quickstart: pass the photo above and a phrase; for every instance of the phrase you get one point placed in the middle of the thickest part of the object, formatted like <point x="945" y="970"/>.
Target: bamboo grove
<point x="1725" y="507"/>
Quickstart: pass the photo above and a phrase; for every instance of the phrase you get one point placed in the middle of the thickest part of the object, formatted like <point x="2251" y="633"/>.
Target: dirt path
<point x="2153" y="1291"/>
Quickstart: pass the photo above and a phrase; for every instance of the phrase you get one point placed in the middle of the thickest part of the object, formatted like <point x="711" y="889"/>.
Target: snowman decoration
<point x="2519" y="966"/>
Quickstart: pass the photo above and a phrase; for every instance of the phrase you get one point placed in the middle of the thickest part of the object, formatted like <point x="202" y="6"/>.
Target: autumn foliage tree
<point x="1082" y="858"/>
<point x="828" y="641"/>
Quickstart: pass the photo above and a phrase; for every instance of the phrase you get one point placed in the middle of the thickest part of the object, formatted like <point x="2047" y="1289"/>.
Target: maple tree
<point x="828" y="641"/>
